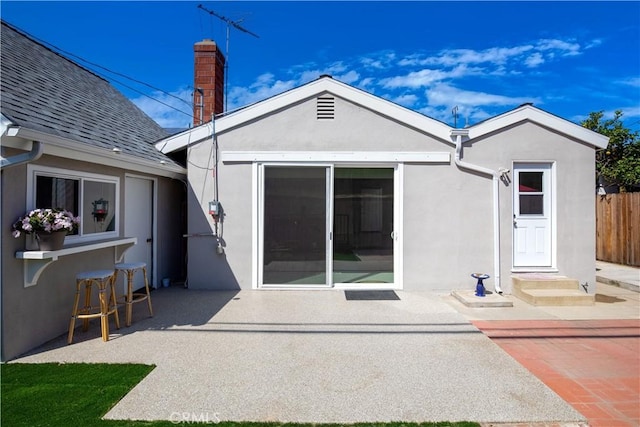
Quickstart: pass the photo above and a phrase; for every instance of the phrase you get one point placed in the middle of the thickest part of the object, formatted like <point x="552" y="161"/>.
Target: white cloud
<point x="630" y="113"/>
<point x="631" y="81"/>
<point x="450" y="96"/>
<point x="265" y="86"/>
<point x="534" y="60"/>
<point x="378" y="61"/>
<point x="564" y="48"/>
<point x="166" y="110"/>
<point x="349" y="77"/>
<point x="593" y="43"/>
<point x="427" y="83"/>
<point x="407" y="100"/>
<point x="494" y="55"/>
<point x="415" y="79"/>
<point x="499" y="60"/>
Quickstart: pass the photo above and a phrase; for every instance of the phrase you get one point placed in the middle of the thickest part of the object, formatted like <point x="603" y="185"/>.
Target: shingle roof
<point x="44" y="91"/>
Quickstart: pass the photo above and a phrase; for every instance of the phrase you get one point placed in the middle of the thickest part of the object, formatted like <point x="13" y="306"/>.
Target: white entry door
<point x="532" y="215"/>
<point x="138" y="222"/>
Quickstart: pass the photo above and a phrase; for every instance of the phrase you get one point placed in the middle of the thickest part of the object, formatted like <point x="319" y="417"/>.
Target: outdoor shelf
<point x="36" y="261"/>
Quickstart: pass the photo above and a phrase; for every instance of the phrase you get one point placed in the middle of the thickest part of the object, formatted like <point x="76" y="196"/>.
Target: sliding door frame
<point x="258" y="209"/>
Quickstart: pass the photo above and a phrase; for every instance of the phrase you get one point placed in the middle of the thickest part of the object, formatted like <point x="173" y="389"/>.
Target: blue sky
<point x="568" y="58"/>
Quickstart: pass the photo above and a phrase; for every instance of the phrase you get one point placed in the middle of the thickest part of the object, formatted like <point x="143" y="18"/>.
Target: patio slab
<point x="312" y="356"/>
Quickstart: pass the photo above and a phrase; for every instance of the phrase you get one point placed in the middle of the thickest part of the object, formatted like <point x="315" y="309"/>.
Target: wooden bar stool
<point x="130" y="297"/>
<point x="103" y="279"/>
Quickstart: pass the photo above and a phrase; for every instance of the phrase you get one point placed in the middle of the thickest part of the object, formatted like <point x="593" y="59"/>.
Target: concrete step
<point x="491" y="299"/>
<point x="550" y="289"/>
<point x="543" y="281"/>
<point x="560" y="297"/>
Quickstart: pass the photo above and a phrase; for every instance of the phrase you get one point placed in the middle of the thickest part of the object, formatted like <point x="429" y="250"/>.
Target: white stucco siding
<point x="447" y="227"/>
<point x="206" y="268"/>
<point x="354" y="128"/>
<point x="447" y="211"/>
<point x="574" y="186"/>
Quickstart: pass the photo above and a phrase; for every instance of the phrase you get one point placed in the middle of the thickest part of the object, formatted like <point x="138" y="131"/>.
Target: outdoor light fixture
<point x="100" y="209"/>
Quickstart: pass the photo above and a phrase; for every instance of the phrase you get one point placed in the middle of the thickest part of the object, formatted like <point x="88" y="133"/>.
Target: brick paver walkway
<point x="594" y="365"/>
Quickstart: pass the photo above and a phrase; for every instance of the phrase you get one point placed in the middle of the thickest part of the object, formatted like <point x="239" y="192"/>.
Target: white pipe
<point x="459" y="133"/>
<point x="37" y="148"/>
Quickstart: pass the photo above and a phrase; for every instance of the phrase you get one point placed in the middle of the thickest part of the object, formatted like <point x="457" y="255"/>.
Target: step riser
<point x="551" y="291"/>
<point x="559" y="283"/>
<point x="557" y="300"/>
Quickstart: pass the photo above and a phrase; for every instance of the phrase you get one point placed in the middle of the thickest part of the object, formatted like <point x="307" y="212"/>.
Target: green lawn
<point x="70" y="395"/>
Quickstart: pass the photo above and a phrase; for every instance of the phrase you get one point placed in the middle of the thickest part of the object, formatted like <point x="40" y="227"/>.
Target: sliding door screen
<point x="295" y="225"/>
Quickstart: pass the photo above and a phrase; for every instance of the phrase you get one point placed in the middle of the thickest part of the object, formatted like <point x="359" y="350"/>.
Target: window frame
<point x="33" y="171"/>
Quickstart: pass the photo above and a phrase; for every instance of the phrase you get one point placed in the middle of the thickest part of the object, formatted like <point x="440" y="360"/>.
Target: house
<point x="328" y="186"/>
<point x="70" y="139"/>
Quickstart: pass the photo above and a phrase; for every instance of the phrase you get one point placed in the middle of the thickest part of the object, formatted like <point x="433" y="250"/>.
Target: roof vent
<point x="325" y="107"/>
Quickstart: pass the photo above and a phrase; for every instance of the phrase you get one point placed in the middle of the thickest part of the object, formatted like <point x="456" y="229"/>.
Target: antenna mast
<point x="455" y="116"/>
<point x="237" y="26"/>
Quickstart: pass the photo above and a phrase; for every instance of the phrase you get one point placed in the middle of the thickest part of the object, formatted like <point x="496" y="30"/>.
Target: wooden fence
<point x="618" y="228"/>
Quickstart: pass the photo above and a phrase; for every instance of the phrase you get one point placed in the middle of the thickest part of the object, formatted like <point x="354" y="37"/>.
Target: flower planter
<point x="49" y="225"/>
<point x="51" y="241"/>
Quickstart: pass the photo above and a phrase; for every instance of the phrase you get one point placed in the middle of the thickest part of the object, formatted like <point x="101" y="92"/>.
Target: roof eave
<point x="541" y="117"/>
<point x="20" y="137"/>
<point x="322" y="85"/>
<point x="185" y="138"/>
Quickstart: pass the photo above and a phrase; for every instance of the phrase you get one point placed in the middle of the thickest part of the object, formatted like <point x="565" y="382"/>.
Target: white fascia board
<point x="335" y="157"/>
<point x="66" y="148"/>
<point x="185" y="138"/>
<point x="530" y="113"/>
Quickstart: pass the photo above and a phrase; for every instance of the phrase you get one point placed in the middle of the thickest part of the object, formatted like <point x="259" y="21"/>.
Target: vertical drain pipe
<point x="459" y="134"/>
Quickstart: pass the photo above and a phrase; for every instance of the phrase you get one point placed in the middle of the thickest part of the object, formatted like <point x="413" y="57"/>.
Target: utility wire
<point x="57" y="49"/>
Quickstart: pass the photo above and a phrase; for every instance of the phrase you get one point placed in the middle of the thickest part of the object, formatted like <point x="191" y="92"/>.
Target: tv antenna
<point x="454" y="112"/>
<point x="237" y="26"/>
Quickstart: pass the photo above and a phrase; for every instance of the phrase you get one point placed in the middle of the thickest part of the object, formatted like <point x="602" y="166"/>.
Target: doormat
<point x="371" y="295"/>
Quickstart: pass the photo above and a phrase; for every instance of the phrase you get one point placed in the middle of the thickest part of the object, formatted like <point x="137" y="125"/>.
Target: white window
<point x="94" y="198"/>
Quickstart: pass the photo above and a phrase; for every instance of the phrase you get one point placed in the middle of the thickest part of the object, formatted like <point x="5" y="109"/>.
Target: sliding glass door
<point x="363" y="225"/>
<point x="326" y="226"/>
<point x="295" y="225"/>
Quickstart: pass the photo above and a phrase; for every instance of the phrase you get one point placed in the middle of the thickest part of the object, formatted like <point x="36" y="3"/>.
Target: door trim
<point x="258" y="226"/>
<point x="552" y="190"/>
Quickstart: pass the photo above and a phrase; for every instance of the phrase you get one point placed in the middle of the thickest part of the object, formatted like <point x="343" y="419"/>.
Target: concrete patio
<point x="312" y="356"/>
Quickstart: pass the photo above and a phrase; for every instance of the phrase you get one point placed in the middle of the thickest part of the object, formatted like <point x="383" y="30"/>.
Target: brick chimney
<point x="208" y="81"/>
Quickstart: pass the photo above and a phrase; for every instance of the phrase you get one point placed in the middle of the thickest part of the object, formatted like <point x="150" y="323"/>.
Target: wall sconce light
<point x="100" y="209"/>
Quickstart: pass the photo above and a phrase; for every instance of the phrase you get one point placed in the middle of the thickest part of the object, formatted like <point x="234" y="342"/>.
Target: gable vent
<point x="325" y="107"/>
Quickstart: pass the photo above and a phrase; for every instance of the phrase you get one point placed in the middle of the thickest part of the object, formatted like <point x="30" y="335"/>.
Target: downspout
<point x="37" y="148"/>
<point x="459" y="134"/>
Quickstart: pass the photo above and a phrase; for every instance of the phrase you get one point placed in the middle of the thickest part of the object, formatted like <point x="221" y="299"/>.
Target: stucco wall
<point x="574" y="167"/>
<point x="31" y="316"/>
<point x="354" y="128"/>
<point x="447" y="211"/>
<point x="448" y="231"/>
